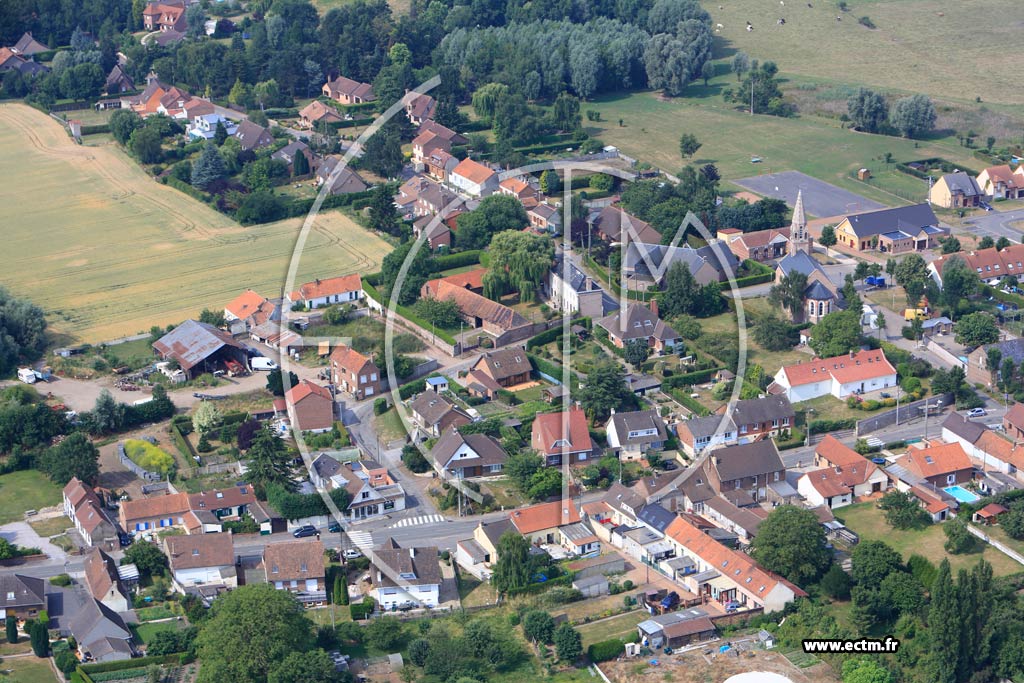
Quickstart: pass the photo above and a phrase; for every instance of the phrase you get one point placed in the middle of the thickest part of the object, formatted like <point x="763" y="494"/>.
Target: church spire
<point x="799" y="237"/>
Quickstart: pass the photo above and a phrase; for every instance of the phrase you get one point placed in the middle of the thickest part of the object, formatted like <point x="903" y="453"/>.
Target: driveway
<point x="996" y="224"/>
<point x="21" y="534"/>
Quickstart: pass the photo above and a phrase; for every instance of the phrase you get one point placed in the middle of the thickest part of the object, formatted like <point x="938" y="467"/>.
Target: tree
<point x="441" y="313"/>
<point x="215" y="318"/>
<point x="836" y="583"/>
<point x="147" y="558"/>
<point x="872" y="561"/>
<point x="945" y="626"/>
<point x="519" y="261"/>
<point x="269" y="461"/>
<point x="913" y="116"/>
<point x="550" y="183"/>
<point x="545" y="483"/>
<point x="75" y="456"/>
<point x="521" y="466"/>
<point x="865" y="670"/>
<point x="209" y="167"/>
<point x="382" y="153"/>
<point x="383" y="216"/>
<point x="789" y="294"/>
<point x="305" y="667"/>
<point x="565" y="112"/>
<point x="124" y="122"/>
<point x="958" y="539"/>
<point x="568" y="643"/>
<point x="195" y="20"/>
<point x="606" y="390"/>
<point x="837" y="333"/>
<point x="740" y="64"/>
<point x="986" y="242"/>
<point x="688" y="145"/>
<point x="206" y="418"/>
<point x="487" y="97"/>
<point x="977" y="329"/>
<point x="707" y="72"/>
<point x="145" y="144"/>
<point x="1003" y="242"/>
<point x="414" y="460"/>
<point x="250" y="632"/>
<point x="39" y="635"/>
<point x="828" y="236"/>
<point x="538" y="626"/>
<point x="220" y="134"/>
<point x="386" y="633"/>
<point x="902" y="511"/>
<point x="774" y="334"/>
<point x="275" y="382"/>
<point x="512" y="570"/>
<point x="496" y="213"/>
<point x="417" y="269"/>
<point x="959" y="281"/>
<point x="637" y="351"/>
<point x="1012" y="521"/>
<point x="419" y="650"/>
<point x="11" y="625"/>
<point x="107" y="415"/>
<point x="791" y="542"/>
<point x="671" y="64"/>
<point x="867" y="110"/>
<point x="950" y="245"/>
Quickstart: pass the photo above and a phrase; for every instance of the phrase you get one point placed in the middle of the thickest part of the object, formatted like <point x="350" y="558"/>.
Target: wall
<point x="908" y="412"/>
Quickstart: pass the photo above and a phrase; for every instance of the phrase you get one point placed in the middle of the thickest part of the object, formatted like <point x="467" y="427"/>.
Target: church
<point x="821" y="296"/>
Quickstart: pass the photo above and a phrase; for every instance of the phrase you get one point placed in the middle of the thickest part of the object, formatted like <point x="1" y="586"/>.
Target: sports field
<point x="940" y="48"/>
<point x="107" y="252"/>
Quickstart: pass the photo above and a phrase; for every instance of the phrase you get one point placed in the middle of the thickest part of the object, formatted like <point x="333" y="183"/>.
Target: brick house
<point x="348" y="91"/>
<point x="436" y="415"/>
<point x="355" y="374"/>
<point x="757" y="418"/>
<point x="940" y="465"/>
<point x="297" y="567"/>
<point x="746" y="467"/>
<point x="310" y="407"/>
<point x="498" y="369"/>
<point x="640" y="322"/>
<point x="564" y="434"/>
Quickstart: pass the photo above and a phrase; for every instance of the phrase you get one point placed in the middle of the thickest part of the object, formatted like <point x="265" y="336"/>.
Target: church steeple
<point x="799" y="237"/>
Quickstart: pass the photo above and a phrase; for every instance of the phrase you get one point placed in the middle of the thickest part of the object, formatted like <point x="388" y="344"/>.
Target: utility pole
<point x="751" y="94"/>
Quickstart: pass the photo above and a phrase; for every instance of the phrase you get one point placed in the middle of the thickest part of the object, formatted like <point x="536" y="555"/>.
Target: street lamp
<point x="807" y="419"/>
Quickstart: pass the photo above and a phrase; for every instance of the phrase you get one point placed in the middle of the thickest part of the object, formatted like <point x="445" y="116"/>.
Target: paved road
<point x="996" y="224"/>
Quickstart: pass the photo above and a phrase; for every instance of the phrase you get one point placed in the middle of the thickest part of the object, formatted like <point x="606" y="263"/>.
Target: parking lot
<point x="821" y="199"/>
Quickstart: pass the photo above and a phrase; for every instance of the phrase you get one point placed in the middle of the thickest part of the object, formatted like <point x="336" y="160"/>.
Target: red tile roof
<point x="936" y="460"/>
<point x="836" y="453"/>
<point x="160" y="506"/>
<point x="542" y="516"/>
<point x="472" y="279"/>
<point x="304" y="389"/>
<point x="348" y="358"/>
<point x="551" y="428"/>
<point x="328" y="287"/>
<point x="473" y="171"/>
<point x="852" y="367"/>
<point x="245" y="304"/>
<point x="991" y="510"/>
<point x="1001" y="448"/>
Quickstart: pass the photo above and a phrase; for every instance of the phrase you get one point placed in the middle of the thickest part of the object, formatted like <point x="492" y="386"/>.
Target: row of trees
<point x="911" y="117"/>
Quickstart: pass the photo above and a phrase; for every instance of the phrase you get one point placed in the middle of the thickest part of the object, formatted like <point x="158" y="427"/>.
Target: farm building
<point x="199" y="348"/>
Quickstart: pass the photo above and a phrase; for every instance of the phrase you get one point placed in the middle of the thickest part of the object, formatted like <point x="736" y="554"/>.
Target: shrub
<point x="605" y="650"/>
<point x="149" y="456"/>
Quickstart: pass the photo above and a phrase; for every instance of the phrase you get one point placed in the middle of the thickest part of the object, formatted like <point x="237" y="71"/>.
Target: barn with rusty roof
<point x="199" y="348"/>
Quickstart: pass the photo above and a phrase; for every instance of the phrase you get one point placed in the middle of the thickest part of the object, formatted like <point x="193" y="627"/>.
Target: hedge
<point x="234" y="418"/>
<point x="690" y="378"/>
<point x="352" y="123"/>
<point x="130" y="663"/>
<point x="689" y="402"/>
<point x="182" y="186"/>
<point x="548" y="368"/>
<point x="766" y="275"/>
<point x="475" y="126"/>
<point x="406" y="313"/>
<point x="820" y="426"/>
<point x="458" y="260"/>
<point x="551" y="335"/>
<point x="359" y="611"/>
<point x="95" y="129"/>
<point x="410" y="389"/>
<point x="605" y="650"/>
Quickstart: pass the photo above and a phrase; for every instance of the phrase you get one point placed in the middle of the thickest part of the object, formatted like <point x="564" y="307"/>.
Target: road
<point x="996" y="224"/>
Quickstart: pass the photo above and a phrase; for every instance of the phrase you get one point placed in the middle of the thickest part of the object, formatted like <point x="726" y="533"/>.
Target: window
<point x="776" y="476"/>
<point x="775" y="423"/>
<point x="365" y="495"/>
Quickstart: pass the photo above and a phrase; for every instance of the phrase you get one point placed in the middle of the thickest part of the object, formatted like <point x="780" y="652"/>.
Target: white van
<point x="263" y="364"/>
<point x="27" y="375"/>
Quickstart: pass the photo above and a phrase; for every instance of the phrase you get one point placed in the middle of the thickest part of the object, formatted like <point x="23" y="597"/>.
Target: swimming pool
<point x="961" y="494"/>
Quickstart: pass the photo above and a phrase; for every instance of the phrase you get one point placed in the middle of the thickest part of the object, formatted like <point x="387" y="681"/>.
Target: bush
<point x="605" y="650"/>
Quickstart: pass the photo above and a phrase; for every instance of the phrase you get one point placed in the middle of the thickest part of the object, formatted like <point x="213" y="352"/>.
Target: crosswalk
<point x="417" y="521"/>
<point x="361" y="539"/>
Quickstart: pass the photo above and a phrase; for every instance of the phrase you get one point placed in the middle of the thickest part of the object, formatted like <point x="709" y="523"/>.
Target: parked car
<point x="669" y="465"/>
<point x="304" y="531"/>
<point x="977" y="412"/>
<point x="334" y="527"/>
<point x="986" y="206"/>
<point x="352" y="554"/>
<point x="885" y="395"/>
<point x="670" y="601"/>
<point x="406" y="606"/>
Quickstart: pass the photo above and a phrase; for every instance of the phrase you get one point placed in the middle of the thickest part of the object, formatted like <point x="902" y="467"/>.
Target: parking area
<point x="820" y="198"/>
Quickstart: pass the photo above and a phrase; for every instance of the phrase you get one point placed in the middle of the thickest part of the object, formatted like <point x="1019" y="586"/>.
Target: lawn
<point x="389" y="426"/>
<point x="869" y="523"/>
<point x="26" y="670"/>
<point x="25" y="490"/>
<point x="473" y="592"/>
<point x="52" y="526"/>
<point x="613" y="627"/>
<point x="106" y="271"/>
<point x="651" y="128"/>
<point x="146" y="631"/>
<point x="930" y="46"/>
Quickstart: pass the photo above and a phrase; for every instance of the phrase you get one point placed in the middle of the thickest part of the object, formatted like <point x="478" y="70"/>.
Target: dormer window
<point x="274" y="569"/>
<point x="195" y="552"/>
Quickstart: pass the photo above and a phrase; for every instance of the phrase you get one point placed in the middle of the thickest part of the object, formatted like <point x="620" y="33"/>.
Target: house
<point x="895" y="231"/>
<point x="420" y="196"/>
<point x="478" y="311"/>
<point x="22" y="597"/>
<point x="640" y="322"/>
<point x="310" y="407"/>
<point x="252" y="136"/>
<point x="571" y="290"/>
<point x="164" y="17"/>
<point x="347" y="91"/>
<point x="118" y="82"/>
<point x="101" y="634"/>
<point x="371" y="488"/>
<point x="28" y="68"/>
<point x="229" y="502"/>
<point x="1013" y="422"/>
<point x="346" y="181"/>
<point x="991" y="265"/>
<point x="957" y="190"/>
<point x="419" y="108"/>
<point x="746" y="467"/>
<point x="151" y="514"/>
<point x="355" y="374"/>
<point x="728" y="516"/>
<point x="939" y="465"/>
<point x="758" y="418"/>
<point x="999" y="182"/>
<point x="316" y="113"/>
<point x="861" y="476"/>
<point x="648" y="264"/>
<point x="726" y="575"/>
<point x="200" y="348"/>
<point x="86" y="511"/>
<point x="837" y="486"/>
<point x="473" y="178"/>
<point x="977" y="368"/>
<point x="761" y="245"/>
<point x="244" y="307"/>
<point x="290" y="152"/>
<point x="439" y="164"/>
<point x="204" y="127"/>
<point x="615" y="226"/>
<point x="438" y="234"/>
<point x="518" y="188"/>
<point x="545" y="218"/>
<point x="496" y="370"/>
<point x="436" y="414"/>
<point x="858" y="372"/>
<point x="464" y="456"/>
<point x="297" y="567"/>
<point x="27" y="46"/>
<point x="539" y="523"/>
<point x="578" y="540"/>
<point x="103" y="582"/>
<point x="700" y="433"/>
<point x="424" y="144"/>
<point x="635" y="433"/>
<point x="404" y="575"/>
<point x="443" y="132"/>
<point x="202" y="561"/>
<point x="347" y="289"/>
<point x="488" y="535"/>
<point x="563" y="435"/>
<point x="676" y="629"/>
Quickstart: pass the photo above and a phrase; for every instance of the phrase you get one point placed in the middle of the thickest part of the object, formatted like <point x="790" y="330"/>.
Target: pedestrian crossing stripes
<point x="416" y="521"/>
<point x="361" y="539"/>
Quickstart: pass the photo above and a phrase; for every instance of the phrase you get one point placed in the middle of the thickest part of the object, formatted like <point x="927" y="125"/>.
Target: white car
<point x="977" y="412"/>
<point x="352" y="554"/>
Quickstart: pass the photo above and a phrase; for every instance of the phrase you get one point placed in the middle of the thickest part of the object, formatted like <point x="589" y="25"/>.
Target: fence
<point x="907" y="413"/>
<point x="136" y="469"/>
<point x="219" y="469"/>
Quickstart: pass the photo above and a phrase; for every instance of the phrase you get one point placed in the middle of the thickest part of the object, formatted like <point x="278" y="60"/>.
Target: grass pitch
<point x="108" y="252"/>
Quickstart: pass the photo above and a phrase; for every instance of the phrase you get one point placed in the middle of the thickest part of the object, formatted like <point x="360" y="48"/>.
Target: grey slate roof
<point x="766" y="409"/>
<point x="17" y="590"/>
<point x="707" y="426"/>
<point x="747" y="460"/>
<point x="640" y="322"/>
<point x="326" y="466"/>
<point x="818" y="292"/>
<point x="1014" y="348"/>
<point x="494" y="530"/>
<point x="488" y="450"/>
<point x="966" y="429"/>
<point x="638" y="421"/>
<point x="656" y="517"/>
<point x="575" y="278"/>
<point x="962" y="182"/>
<point x="910" y="219"/>
<point x="800" y="262"/>
<point x="94" y="622"/>
<point x="432" y="406"/>
<point x="420" y="562"/>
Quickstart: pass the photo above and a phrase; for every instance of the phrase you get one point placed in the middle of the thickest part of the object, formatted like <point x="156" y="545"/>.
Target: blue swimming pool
<point x="961" y="494"/>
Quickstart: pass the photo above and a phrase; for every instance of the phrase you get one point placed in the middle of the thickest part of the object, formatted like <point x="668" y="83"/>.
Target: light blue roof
<point x="435" y="381"/>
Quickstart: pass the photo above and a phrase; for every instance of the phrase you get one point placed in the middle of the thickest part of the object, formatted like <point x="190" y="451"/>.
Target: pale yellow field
<point x="107" y="251"/>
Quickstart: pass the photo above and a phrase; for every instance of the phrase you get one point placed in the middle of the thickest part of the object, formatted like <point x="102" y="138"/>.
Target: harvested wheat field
<point x="696" y="667"/>
<point x="107" y="251"/>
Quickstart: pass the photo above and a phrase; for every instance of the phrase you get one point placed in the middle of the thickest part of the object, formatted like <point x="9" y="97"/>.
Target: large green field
<point x="25" y="490"/>
<point x="943" y="49"/>
<point x="107" y="252"/>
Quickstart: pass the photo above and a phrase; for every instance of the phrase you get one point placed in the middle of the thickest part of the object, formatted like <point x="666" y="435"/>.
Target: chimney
<point x="412" y="553"/>
<point x="852" y="353"/>
<point x="654" y="307"/>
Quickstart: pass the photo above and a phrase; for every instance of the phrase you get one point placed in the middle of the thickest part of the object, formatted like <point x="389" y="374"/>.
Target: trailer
<point x="27" y="375"/>
<point x="875" y="281"/>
